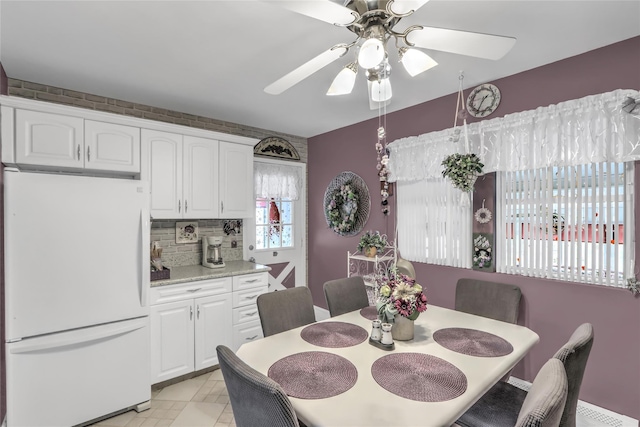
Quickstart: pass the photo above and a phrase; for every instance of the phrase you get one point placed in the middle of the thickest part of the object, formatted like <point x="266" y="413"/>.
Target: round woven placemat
<point x="472" y="342"/>
<point x="370" y="313"/>
<point x="419" y="377"/>
<point x="334" y="334"/>
<point x="314" y="374"/>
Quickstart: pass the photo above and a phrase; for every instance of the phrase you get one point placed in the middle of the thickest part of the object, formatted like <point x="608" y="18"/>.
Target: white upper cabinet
<point x="200" y="177"/>
<point x="111" y="147"/>
<point x="236" y="181"/>
<point x="183" y="174"/>
<point x="59" y="141"/>
<point x="49" y="139"/>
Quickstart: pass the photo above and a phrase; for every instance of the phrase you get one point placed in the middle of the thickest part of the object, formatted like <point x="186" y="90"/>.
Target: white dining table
<point x="366" y="403"/>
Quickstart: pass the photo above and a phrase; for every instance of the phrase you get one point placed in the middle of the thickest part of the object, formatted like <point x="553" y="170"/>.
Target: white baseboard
<point x="588" y="415"/>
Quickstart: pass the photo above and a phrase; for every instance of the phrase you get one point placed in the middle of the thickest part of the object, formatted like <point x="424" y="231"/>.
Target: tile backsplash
<point x="179" y="254"/>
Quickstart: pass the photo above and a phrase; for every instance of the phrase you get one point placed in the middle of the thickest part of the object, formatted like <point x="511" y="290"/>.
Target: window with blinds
<point x="572" y="223"/>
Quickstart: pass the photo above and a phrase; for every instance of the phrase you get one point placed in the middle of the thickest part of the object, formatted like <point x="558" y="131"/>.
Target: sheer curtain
<point x="276" y="181"/>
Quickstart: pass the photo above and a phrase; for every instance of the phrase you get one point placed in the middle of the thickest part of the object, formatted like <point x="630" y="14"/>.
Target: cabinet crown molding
<point x="48" y="107"/>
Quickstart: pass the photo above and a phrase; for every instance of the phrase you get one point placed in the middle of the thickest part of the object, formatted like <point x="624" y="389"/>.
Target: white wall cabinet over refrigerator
<point x="183" y="173"/>
<point x="188" y="322"/>
<point x="56" y="141"/>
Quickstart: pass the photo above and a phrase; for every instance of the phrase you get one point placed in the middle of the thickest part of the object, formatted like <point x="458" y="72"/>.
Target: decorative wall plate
<point x="274" y="146"/>
<point x="347" y="204"/>
<point x="187" y="232"/>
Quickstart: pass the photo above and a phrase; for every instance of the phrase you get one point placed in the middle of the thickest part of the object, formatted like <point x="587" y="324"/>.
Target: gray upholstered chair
<point x="345" y="295"/>
<point x="280" y="311"/>
<point x="504" y="401"/>
<point x="497" y="301"/>
<point x="256" y="400"/>
<point x="542" y="406"/>
<point x="406" y="268"/>
<point x="574" y="355"/>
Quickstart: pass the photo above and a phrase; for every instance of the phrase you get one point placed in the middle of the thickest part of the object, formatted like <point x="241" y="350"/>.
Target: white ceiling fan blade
<point x="480" y="45"/>
<point x="401" y="7"/>
<point x="305" y="70"/>
<point x="324" y="10"/>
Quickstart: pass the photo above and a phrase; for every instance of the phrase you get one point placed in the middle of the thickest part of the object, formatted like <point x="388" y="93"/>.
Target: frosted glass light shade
<point x="371" y="53"/>
<point x="381" y="90"/>
<point x="416" y="61"/>
<point x="344" y="81"/>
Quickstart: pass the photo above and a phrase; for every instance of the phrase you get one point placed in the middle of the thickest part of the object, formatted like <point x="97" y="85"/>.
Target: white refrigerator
<point x="76" y="284"/>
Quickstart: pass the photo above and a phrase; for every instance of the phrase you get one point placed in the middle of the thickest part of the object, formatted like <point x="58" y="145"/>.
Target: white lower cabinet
<point x="186" y="328"/>
<point x="246" y="321"/>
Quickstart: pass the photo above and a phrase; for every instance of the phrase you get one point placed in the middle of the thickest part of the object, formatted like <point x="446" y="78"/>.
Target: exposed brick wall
<point x="73" y="98"/>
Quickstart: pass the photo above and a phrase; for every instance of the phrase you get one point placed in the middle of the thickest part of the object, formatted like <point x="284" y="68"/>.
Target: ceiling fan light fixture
<point x="415" y="61"/>
<point x="344" y="81"/>
<point x="381" y="90"/>
<point x="371" y="53"/>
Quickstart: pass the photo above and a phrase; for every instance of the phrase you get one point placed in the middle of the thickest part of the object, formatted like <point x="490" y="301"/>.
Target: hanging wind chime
<point x="383" y="159"/>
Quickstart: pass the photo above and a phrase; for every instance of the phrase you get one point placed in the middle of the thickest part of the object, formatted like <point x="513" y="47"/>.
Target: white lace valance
<point x="276" y="181"/>
<point x="581" y="131"/>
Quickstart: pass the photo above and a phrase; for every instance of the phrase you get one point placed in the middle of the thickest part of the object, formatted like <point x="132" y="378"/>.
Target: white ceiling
<point x="214" y="58"/>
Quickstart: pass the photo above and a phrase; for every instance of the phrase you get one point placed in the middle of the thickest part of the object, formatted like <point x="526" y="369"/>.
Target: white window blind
<point x="573" y="223"/>
<point x="434" y="223"/>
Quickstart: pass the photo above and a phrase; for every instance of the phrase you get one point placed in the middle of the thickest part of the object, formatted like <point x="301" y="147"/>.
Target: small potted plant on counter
<point x="371" y="242"/>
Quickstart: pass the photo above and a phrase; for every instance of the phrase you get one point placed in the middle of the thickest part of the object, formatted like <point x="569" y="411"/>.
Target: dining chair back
<point x="497" y="301"/>
<point x="501" y="404"/>
<point x="280" y="311"/>
<point x="574" y="355"/>
<point x="405" y="267"/>
<point x="545" y="401"/>
<point x="256" y="400"/>
<point x="345" y="295"/>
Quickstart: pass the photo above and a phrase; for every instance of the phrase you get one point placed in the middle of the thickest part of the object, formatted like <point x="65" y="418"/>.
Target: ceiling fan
<point x="373" y="22"/>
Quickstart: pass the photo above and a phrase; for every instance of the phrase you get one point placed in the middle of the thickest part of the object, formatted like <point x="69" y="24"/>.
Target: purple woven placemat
<point x="314" y="374"/>
<point x="370" y="313"/>
<point x="472" y="342"/>
<point x="419" y="377"/>
<point x="334" y="334"/>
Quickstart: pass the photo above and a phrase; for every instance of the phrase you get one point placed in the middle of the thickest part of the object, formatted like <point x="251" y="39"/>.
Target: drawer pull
<point x="251" y="314"/>
<point x="194" y="290"/>
<point x="251" y="297"/>
<point x="251" y="281"/>
<point x="251" y="338"/>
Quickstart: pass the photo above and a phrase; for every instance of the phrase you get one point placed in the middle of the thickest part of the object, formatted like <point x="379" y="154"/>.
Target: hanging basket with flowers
<point x="462" y="170"/>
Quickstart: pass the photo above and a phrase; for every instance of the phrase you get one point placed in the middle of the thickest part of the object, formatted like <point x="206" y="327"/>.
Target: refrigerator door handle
<point x="80" y="337"/>
<point x="144" y="256"/>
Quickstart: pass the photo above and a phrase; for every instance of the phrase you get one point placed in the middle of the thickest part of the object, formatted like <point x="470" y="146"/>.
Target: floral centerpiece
<point x="400" y="298"/>
<point x="372" y="240"/>
<point x="342" y="208"/>
<point x="462" y="170"/>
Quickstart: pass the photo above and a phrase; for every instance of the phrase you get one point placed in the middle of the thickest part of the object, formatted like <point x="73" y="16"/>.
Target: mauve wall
<point x="553" y="309"/>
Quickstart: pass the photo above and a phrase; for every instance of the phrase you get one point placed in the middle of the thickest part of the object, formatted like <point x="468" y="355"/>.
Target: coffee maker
<point x="212" y="252"/>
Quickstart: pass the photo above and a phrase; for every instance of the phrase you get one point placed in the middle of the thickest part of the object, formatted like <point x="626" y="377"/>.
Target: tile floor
<point x="200" y="401"/>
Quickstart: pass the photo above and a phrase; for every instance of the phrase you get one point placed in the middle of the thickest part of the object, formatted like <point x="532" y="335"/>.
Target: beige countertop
<point x="191" y="273"/>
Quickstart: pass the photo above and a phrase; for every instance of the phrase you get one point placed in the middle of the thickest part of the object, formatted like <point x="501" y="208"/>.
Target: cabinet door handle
<point x="88" y="154"/>
<point x="191" y="313"/>
<point x="179" y="205"/>
<point x="221" y="206"/>
<point x="186" y="206"/>
<point x="251" y="338"/>
<point x="78" y="152"/>
<point x="198" y="312"/>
